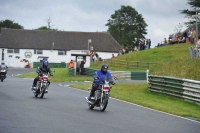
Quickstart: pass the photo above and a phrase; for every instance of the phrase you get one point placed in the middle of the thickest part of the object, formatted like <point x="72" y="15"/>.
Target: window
<point x="16" y="51"/>
<point x="36" y="51"/>
<point x="61" y="52"/>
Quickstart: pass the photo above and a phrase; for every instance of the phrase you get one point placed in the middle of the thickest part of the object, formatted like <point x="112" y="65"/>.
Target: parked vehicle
<point x="101" y="96"/>
<point x="42" y="86"/>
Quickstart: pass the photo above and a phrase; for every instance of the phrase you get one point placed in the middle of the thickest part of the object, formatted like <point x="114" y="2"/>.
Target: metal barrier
<point x="182" y="88"/>
<point x="121" y="75"/>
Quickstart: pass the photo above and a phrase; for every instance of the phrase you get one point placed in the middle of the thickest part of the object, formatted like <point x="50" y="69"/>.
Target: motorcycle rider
<point x="4" y="67"/>
<point x="99" y="77"/>
<point x="44" y="68"/>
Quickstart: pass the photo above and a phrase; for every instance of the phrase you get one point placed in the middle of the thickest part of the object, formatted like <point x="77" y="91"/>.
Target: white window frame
<point x="38" y="51"/>
<point x="62" y="52"/>
<point x="13" y="51"/>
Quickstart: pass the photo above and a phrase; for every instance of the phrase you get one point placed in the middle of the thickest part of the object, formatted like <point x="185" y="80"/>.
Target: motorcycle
<point x="42" y="86"/>
<point x="3" y="74"/>
<point x="101" y="95"/>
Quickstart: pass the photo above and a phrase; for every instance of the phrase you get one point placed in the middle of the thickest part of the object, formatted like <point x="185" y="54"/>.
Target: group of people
<point x="144" y="44"/>
<point x="189" y="35"/>
<point x="81" y="66"/>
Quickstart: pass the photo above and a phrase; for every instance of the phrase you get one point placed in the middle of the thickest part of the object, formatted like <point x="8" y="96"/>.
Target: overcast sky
<point x="91" y="15"/>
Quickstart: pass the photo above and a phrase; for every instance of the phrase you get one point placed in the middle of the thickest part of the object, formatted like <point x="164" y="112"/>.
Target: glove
<point x="112" y="82"/>
<point x="97" y="78"/>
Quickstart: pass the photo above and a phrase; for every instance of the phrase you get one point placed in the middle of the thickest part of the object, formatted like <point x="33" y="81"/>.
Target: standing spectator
<point x="185" y="36"/>
<point x="71" y="64"/>
<point x="189" y="35"/>
<point x="193" y="36"/>
<point x="82" y="67"/>
<point x="165" y="41"/>
<point x="97" y="56"/>
<point x="149" y="43"/>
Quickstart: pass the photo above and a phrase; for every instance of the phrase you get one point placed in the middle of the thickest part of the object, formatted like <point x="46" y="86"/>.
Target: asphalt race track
<point x="64" y="110"/>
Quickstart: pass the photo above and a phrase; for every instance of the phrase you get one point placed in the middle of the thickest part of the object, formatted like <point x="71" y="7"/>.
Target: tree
<point x="49" y="23"/>
<point x="191" y="14"/>
<point x="127" y="26"/>
<point x="178" y="28"/>
<point x="48" y="27"/>
<point x="43" y="28"/>
<point x="10" y="24"/>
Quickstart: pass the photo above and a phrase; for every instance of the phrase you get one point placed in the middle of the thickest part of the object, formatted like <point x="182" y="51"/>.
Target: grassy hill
<point x="172" y="60"/>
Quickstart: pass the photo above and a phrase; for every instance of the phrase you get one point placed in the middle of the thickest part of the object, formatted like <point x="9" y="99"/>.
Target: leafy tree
<point x="10" y="24"/>
<point x="127" y="26"/>
<point x="191" y="14"/>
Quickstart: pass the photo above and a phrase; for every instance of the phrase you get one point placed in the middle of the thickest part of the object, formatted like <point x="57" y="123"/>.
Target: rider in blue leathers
<point x="99" y="77"/>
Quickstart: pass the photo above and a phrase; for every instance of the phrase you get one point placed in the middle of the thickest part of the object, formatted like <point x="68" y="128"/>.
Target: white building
<point x="17" y="45"/>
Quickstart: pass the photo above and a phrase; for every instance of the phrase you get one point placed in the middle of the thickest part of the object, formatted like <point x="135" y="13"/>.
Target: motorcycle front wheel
<point x="42" y="93"/>
<point x="103" y="104"/>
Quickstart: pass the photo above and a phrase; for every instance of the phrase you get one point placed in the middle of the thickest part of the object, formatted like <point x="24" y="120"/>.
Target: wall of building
<point x="52" y="54"/>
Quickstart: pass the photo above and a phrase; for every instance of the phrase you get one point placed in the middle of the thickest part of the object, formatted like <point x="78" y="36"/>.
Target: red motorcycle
<point x="42" y="86"/>
<point x="101" y="96"/>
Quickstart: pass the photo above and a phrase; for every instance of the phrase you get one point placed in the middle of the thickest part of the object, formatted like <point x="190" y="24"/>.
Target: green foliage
<point x="191" y="14"/>
<point x="10" y="24"/>
<point x="43" y="28"/>
<point x="126" y="25"/>
<point x="139" y="94"/>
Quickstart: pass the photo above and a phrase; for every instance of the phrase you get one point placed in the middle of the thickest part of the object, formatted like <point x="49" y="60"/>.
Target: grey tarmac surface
<point x="64" y="110"/>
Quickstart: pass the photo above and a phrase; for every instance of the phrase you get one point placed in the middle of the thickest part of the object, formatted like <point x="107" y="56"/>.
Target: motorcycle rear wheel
<point x="1" y="79"/>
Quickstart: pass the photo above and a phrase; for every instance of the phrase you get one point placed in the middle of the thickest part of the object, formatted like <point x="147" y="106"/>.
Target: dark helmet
<point x="45" y="63"/>
<point x="104" y="68"/>
<point x="2" y="63"/>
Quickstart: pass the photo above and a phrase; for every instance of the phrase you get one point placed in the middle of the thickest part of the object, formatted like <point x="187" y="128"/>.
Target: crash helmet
<point x="104" y="68"/>
<point x="45" y="63"/>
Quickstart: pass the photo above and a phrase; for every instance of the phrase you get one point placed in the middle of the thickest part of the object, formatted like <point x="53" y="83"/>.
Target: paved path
<point x="63" y="110"/>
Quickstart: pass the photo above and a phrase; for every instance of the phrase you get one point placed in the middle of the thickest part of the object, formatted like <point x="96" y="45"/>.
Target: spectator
<point x="71" y="64"/>
<point x="82" y="67"/>
<point x="113" y="56"/>
<point x="193" y="36"/>
<point x="182" y="40"/>
<point x="198" y="42"/>
<point x="149" y="43"/>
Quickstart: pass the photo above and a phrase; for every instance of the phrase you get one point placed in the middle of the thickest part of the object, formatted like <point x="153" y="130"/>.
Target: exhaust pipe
<point x="88" y="101"/>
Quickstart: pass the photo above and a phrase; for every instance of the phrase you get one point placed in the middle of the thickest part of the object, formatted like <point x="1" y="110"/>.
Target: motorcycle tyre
<point x="105" y="102"/>
<point x="42" y="95"/>
<point x="2" y="80"/>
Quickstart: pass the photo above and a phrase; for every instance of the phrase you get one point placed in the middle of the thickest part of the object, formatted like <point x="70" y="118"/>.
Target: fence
<point x="121" y="75"/>
<point x="182" y="88"/>
<point x="194" y="52"/>
<point x="127" y="64"/>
